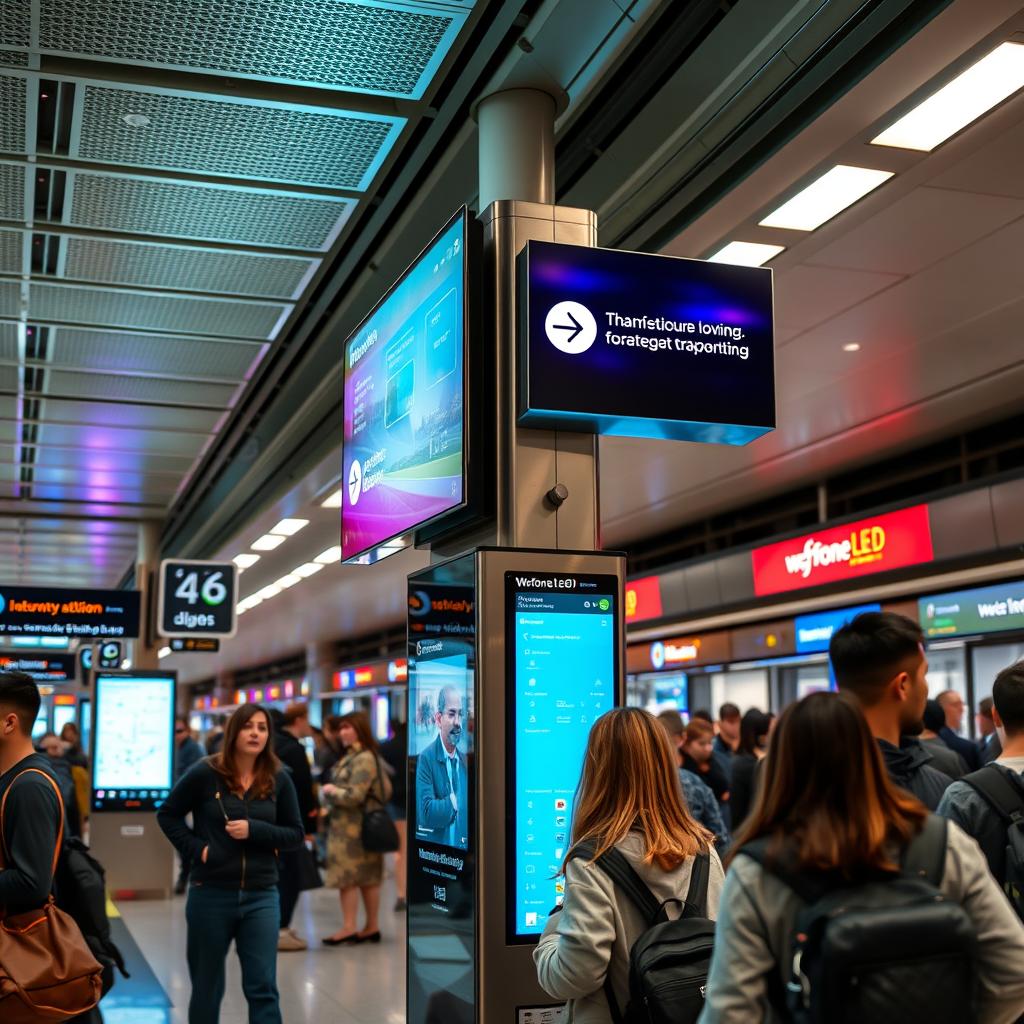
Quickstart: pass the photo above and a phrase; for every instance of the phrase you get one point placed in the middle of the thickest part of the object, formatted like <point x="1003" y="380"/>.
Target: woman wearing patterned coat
<point x="357" y="778"/>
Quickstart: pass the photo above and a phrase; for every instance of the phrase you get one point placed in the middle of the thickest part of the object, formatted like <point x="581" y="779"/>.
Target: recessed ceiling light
<point x="287" y="580"/>
<point x="136" y="120"/>
<point x="333" y="500"/>
<point x="329" y="556"/>
<point x="269" y="591"/>
<point x="746" y="254"/>
<point x="307" y="570"/>
<point x="267" y="542"/>
<point x="163" y="652"/>
<point x="982" y="86"/>
<point x="852" y="346"/>
<point x="289" y="527"/>
<point x="826" y="196"/>
<point x="244" y="561"/>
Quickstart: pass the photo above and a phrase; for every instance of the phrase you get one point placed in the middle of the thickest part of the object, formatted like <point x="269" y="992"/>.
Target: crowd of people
<point x="856" y="859"/>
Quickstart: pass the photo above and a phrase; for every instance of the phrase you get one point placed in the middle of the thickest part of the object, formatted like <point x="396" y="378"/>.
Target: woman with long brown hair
<point x="244" y="810"/>
<point x="828" y="812"/>
<point x="630" y="800"/>
<point x="358" y="778"/>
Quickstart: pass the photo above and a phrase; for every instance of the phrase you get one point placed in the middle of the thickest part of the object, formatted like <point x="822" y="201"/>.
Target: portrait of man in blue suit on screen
<point x="442" y="781"/>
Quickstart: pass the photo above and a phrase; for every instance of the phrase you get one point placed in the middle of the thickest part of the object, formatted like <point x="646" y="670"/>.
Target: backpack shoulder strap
<point x="615" y="865"/>
<point x="60" y="805"/>
<point x="1001" y="792"/>
<point x="697" y="894"/>
<point x="925" y="855"/>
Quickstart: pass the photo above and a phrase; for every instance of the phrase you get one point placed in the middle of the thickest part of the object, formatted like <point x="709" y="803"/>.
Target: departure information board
<point x="561" y="639"/>
<point x="133" y="749"/>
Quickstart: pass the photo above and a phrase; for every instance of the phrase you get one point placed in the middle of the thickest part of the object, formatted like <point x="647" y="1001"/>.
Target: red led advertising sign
<point x="643" y="599"/>
<point x="879" y="544"/>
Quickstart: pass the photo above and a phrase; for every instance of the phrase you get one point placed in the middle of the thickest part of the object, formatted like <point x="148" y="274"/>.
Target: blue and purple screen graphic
<point x="403" y="451"/>
<point x="645" y="346"/>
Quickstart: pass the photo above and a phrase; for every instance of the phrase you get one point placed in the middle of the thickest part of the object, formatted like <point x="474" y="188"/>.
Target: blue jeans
<point x="251" y="918"/>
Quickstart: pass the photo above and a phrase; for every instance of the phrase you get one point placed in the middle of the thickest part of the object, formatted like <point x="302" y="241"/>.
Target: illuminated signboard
<point x="638" y="345"/>
<point x="841" y="553"/>
<point x="378" y="673"/>
<point x="643" y="599"/>
<point x="813" y="632"/>
<point x="677" y="652"/>
<point x="43" y="668"/>
<point x="197" y="599"/>
<point x="403" y="456"/>
<point x="59" y="612"/>
<point x="993" y="609"/>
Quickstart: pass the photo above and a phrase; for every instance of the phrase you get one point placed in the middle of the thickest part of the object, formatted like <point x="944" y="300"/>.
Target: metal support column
<point x="146" y="568"/>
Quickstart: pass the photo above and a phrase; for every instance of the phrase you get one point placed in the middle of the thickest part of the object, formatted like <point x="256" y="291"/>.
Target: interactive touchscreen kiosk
<point x="561" y="631"/>
<point x="133" y="741"/>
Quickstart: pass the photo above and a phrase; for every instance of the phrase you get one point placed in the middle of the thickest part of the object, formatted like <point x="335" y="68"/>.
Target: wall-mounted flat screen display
<point x="561" y="641"/>
<point x="133" y="741"/>
<point x="403" y="458"/>
<point x="814" y="631"/>
<point x="993" y="609"/>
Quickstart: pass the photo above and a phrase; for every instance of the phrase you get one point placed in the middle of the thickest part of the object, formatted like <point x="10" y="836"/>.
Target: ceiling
<point x="924" y="274"/>
<point x="171" y="189"/>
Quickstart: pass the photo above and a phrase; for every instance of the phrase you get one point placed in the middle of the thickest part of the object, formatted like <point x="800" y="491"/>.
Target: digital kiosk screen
<point x="442" y="700"/>
<point x="403" y="452"/>
<point x="561" y="639"/>
<point x="133" y="749"/>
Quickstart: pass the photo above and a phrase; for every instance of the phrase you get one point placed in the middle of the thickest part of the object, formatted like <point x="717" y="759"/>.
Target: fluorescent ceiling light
<point x="982" y="86"/>
<point x="288" y="580"/>
<point x="852" y="346"/>
<point x="272" y="590"/>
<point x="267" y="542"/>
<point x="241" y="609"/>
<point x="826" y="196"/>
<point x="329" y="556"/>
<point x="307" y="570"/>
<point x="746" y="254"/>
<point x="289" y="527"/>
<point x="244" y="561"/>
<point x="163" y="652"/>
<point x="333" y="501"/>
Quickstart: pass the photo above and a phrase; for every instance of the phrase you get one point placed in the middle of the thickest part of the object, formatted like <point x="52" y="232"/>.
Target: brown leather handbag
<point x="47" y="972"/>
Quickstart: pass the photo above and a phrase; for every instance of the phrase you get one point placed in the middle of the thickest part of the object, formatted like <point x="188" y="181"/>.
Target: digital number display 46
<point x="197" y="598"/>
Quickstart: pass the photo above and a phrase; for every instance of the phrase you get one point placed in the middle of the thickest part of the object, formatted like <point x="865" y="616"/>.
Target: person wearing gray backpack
<point x="846" y="902"/>
<point x="632" y="940"/>
<point x="989" y="804"/>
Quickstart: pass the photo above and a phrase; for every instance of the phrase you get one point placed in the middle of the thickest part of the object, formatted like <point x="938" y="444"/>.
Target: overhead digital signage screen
<point x="43" y="668"/>
<point x="814" y="632"/>
<point x="636" y="345"/>
<point x="993" y="609"/>
<point x="403" y="457"/>
<point x="54" y="611"/>
<point x="133" y="741"/>
<point x="561" y="641"/>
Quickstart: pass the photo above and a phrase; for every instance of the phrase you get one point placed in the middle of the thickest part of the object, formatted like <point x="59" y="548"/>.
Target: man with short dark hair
<point x="953" y="707"/>
<point x="727" y="740"/>
<point x="989" y="746"/>
<point x="963" y="803"/>
<point x="31" y="821"/>
<point x="879" y="659"/>
<point x="946" y="760"/>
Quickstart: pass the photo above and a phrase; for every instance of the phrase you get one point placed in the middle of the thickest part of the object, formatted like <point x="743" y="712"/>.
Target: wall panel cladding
<point x="12" y="192"/>
<point x="13" y="93"/>
<point x="367" y="46"/>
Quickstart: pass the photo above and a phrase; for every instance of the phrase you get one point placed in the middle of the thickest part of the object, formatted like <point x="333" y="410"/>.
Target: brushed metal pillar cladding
<point x="529" y="461"/>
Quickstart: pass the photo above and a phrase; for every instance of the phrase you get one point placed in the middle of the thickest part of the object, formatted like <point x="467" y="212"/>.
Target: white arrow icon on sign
<point x="355" y="482"/>
<point x="570" y="327"/>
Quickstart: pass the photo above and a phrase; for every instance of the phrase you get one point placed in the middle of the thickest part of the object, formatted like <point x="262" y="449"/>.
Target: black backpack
<point x="890" y="950"/>
<point x="80" y="890"/>
<point x="1004" y="793"/>
<point x="668" y="964"/>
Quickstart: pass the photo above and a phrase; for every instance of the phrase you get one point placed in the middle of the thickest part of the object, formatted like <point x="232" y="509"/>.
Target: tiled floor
<point x="344" y="985"/>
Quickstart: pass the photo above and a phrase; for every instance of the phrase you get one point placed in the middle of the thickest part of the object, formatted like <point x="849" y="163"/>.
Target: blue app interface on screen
<point x="564" y="680"/>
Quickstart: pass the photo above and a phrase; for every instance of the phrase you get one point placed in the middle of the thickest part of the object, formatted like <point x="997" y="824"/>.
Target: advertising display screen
<point x="814" y="632"/>
<point x="638" y="345"/>
<point x="404" y="453"/>
<point x="59" y="612"/>
<point x="133" y="741"/>
<point x="43" y="668"/>
<point x="442" y="786"/>
<point x="992" y="609"/>
<point x="561" y="641"/>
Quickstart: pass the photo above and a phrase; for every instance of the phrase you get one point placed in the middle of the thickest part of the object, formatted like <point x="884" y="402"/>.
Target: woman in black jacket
<point x="244" y="811"/>
<point x="753" y="746"/>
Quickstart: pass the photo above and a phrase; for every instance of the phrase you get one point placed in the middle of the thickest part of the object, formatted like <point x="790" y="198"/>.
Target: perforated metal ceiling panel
<point x="70" y="304"/>
<point x="8" y="342"/>
<point x="148" y="417"/>
<point x="208" y="212"/>
<point x="10" y="252"/>
<point x="370" y="46"/>
<point x="9" y="378"/>
<point x="10" y="298"/>
<point x="184" y="268"/>
<point x="16" y="23"/>
<point x="138" y="462"/>
<point x="12" y="113"/>
<point x="141" y="353"/>
<point x="113" y="388"/>
<point x="114" y="440"/>
<point x="238" y="139"/>
<point x="13" y="59"/>
<point x="12" y="192"/>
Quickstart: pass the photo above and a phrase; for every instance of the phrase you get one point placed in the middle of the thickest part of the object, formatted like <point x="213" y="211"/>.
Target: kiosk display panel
<point x="133" y="741"/>
<point x="561" y="641"/>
